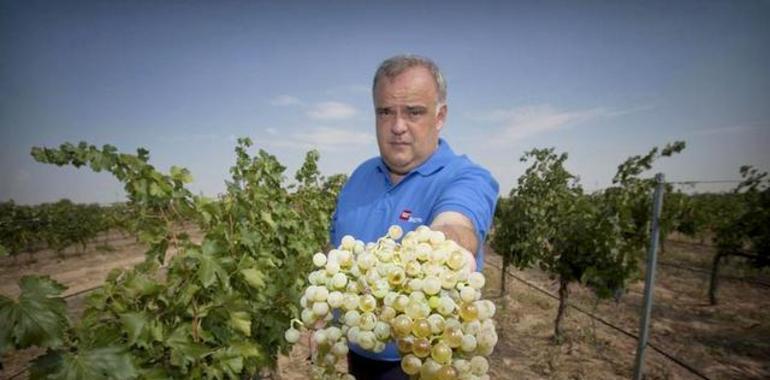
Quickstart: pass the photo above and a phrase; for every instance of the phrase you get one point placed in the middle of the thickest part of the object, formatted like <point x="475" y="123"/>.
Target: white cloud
<point x="523" y="122"/>
<point x="285" y="100"/>
<point x="331" y="111"/>
<point x="325" y="138"/>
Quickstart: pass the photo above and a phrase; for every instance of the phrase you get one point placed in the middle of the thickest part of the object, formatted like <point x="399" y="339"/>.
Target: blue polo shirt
<point x="369" y="203"/>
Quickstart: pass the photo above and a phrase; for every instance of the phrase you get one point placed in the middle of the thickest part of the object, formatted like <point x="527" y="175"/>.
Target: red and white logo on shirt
<point x="406" y="215"/>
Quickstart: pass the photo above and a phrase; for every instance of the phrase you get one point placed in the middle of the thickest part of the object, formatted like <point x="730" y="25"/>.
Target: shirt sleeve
<point x="473" y="193"/>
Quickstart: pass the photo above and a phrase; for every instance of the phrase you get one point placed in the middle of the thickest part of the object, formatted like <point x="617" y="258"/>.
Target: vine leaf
<point x="209" y="265"/>
<point x="113" y="362"/>
<point x="254" y="277"/>
<point x="38" y="317"/>
<point x="183" y="349"/>
<point x="241" y="321"/>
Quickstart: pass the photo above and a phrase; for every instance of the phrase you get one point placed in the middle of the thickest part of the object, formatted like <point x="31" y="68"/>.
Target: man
<point x="416" y="180"/>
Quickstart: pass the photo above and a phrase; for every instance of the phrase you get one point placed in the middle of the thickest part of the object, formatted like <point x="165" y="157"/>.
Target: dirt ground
<point x="727" y="341"/>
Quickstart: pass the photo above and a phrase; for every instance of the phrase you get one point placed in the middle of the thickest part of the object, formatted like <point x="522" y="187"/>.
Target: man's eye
<point x="416" y="112"/>
<point x="383" y="112"/>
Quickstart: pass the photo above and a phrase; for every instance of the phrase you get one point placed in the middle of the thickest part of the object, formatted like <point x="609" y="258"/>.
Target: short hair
<point x="396" y="65"/>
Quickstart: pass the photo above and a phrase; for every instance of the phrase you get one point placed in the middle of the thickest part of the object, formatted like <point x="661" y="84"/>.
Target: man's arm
<point x="459" y="228"/>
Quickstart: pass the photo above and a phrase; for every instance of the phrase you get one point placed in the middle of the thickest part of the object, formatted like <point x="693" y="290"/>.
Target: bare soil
<point x="727" y="341"/>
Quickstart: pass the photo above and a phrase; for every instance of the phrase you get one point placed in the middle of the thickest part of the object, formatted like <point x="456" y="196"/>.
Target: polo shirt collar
<point x="436" y="161"/>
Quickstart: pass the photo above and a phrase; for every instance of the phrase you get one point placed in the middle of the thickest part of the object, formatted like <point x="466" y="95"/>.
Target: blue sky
<point x="601" y="80"/>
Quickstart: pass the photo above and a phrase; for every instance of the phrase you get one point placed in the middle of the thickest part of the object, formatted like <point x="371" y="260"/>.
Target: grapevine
<point x="214" y="309"/>
<point x="595" y="239"/>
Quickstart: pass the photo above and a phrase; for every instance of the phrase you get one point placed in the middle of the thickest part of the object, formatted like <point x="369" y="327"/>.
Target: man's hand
<point x="459" y="228"/>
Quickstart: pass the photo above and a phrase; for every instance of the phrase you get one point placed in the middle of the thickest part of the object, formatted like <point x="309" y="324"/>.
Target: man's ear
<point x="441" y="117"/>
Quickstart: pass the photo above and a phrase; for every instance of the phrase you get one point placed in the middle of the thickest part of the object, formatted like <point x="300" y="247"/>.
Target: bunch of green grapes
<point x="420" y="293"/>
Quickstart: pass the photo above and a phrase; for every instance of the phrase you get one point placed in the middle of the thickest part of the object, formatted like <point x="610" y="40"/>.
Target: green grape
<point x="395" y="232"/>
<point x="332" y="267"/>
<point x="319" y="259"/>
<point x="339" y="281"/>
<point x="335" y="299"/>
<point x="437" y="323"/>
<point x="367" y="303"/>
<point x="468" y="294"/>
<point x="414" y="309"/>
<point x="382" y="330"/>
<point x="431" y="286"/>
<point x="434" y="302"/>
<point x="340" y="349"/>
<point x="400" y="303"/>
<point x="321" y="294"/>
<point x="423" y="251"/>
<point x="347" y="242"/>
<point x="333" y="333"/>
<point x="429" y="369"/>
<point x="421" y="347"/>
<point x="291" y="335"/>
<point x="405" y="344"/>
<point x="368" y="321"/>
<point x="367" y="340"/>
<point x="446" y="372"/>
<point x="415" y="285"/>
<point x="479" y="365"/>
<point x="441" y="353"/>
<point x="411" y="364"/>
<point x="476" y="280"/>
<point x="453" y="336"/>
<point x="413" y="268"/>
<point x="319" y="337"/>
<point x="448" y="280"/>
<point x="462" y="366"/>
<point x="396" y="276"/>
<point x="468" y="343"/>
<point x="352" y="318"/>
<point x="421" y="328"/>
<point x="387" y="314"/>
<point x="350" y="301"/>
<point x="469" y="312"/>
<point x="456" y="260"/>
<point x="402" y="325"/>
<point x="320" y="308"/>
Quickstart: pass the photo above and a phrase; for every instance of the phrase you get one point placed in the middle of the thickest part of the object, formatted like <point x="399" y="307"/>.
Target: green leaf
<point x="208" y="270"/>
<point x="254" y="277"/>
<point x="141" y="330"/>
<point x="39" y="317"/>
<point x="241" y="321"/>
<point x="112" y="362"/>
<point x="183" y="350"/>
<point x="267" y="218"/>
<point x="180" y="174"/>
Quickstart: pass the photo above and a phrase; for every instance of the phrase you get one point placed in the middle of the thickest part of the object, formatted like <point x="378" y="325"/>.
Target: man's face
<point x="408" y="123"/>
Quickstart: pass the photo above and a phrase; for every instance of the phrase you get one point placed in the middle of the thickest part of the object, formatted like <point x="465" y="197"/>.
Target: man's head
<point x="410" y="107"/>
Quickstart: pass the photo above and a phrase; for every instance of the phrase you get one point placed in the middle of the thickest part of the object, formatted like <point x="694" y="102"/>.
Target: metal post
<point x="649" y="281"/>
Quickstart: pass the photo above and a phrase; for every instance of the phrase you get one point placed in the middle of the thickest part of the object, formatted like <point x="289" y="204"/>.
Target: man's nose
<point x="399" y="125"/>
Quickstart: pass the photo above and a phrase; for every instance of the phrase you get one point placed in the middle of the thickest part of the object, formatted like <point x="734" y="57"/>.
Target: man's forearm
<point x="462" y="235"/>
